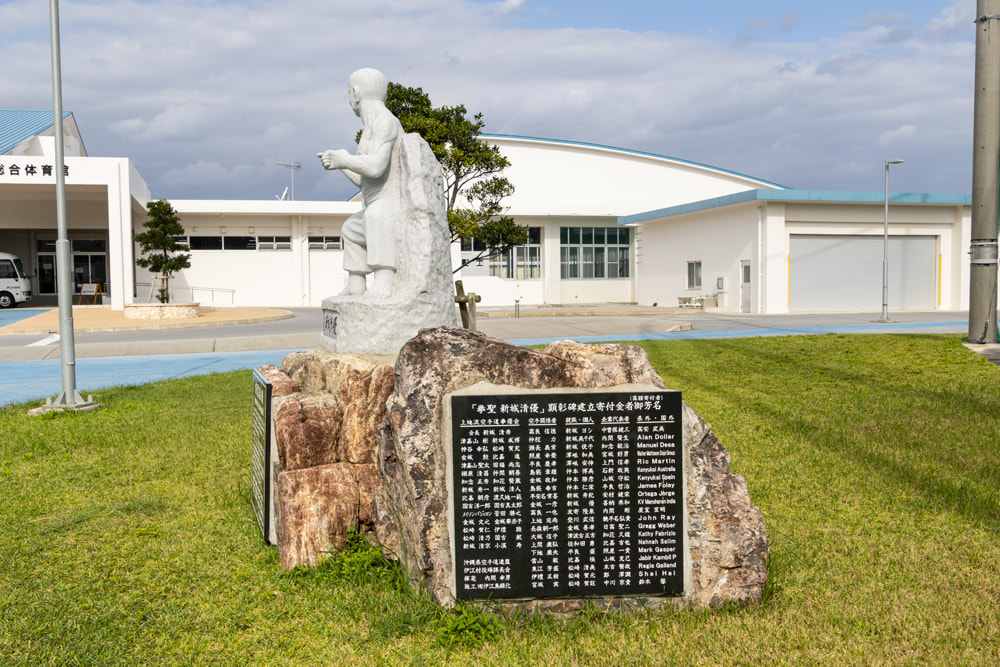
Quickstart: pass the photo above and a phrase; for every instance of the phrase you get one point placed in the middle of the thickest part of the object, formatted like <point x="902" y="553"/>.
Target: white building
<point x="606" y="225"/>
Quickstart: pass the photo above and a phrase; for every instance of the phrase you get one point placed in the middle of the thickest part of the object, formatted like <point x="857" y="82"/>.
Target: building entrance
<point x="90" y="265"/>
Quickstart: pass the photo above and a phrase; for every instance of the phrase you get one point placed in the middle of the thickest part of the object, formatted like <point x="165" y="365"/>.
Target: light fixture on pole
<point x="885" y="248"/>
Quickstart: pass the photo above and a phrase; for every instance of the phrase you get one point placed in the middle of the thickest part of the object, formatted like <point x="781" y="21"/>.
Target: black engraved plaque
<point x="569" y="494"/>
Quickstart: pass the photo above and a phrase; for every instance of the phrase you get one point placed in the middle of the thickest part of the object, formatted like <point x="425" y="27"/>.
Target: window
<point x="221" y="242"/>
<point x="7" y="269"/>
<point x="594" y="252"/>
<point x="96" y="245"/>
<point x="473" y="245"/>
<point x="274" y="243"/>
<point x="522" y="262"/>
<point x="205" y="242"/>
<point x="694" y="275"/>
<point x="324" y="243"/>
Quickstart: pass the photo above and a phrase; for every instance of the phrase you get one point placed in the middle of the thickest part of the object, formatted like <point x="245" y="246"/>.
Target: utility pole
<point x="985" y="176"/>
<point x="69" y="398"/>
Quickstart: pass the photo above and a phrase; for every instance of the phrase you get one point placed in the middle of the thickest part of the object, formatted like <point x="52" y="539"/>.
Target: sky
<point x="208" y="97"/>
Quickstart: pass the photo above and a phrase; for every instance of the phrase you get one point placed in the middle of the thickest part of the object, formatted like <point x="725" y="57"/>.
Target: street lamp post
<point x="885" y="247"/>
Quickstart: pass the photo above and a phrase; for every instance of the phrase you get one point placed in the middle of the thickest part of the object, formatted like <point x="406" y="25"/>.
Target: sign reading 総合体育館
<point x="567" y="494"/>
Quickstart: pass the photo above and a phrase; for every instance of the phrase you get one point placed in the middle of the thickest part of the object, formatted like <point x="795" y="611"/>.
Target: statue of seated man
<point x="370" y="234"/>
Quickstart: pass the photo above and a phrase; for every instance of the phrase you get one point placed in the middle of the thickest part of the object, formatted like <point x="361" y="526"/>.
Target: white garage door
<point x="844" y="273"/>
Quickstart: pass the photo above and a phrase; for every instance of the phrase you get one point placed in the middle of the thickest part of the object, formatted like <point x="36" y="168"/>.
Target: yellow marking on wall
<point x="788" y="283"/>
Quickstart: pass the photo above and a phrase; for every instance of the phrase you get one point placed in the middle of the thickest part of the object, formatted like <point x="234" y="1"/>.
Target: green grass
<point x="126" y="535"/>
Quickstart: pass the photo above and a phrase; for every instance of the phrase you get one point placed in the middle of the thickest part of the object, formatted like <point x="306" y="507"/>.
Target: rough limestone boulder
<point x="325" y="434"/>
<point x="727" y="541"/>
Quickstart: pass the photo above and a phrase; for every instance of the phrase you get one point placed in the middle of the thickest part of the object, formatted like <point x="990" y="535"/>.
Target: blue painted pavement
<point x="28" y="380"/>
<point x="895" y="327"/>
<point x="12" y="315"/>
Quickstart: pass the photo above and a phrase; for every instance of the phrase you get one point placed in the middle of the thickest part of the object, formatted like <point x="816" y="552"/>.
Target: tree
<point x="158" y="245"/>
<point x="472" y="171"/>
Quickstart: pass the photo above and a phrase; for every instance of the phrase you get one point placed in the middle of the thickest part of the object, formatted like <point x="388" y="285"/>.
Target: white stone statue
<point x="400" y="235"/>
<point x="370" y="234"/>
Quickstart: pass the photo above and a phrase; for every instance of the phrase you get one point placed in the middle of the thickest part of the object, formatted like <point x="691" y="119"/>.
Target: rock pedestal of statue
<point x="725" y="541"/>
<point x="364" y="447"/>
<point x="325" y="417"/>
<point x="423" y="295"/>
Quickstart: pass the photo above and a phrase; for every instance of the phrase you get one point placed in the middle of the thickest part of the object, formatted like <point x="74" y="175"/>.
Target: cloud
<point x="954" y="21"/>
<point x="901" y="132"/>
<point x="175" y="121"/>
<point x="510" y="6"/>
<point x="882" y="19"/>
<point x="787" y="21"/>
<point x="206" y="97"/>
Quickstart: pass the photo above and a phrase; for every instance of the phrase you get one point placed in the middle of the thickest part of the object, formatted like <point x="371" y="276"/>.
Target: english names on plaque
<point x="567" y="495"/>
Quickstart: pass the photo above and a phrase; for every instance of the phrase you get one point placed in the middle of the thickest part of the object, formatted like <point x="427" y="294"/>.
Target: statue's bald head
<point x="369" y="84"/>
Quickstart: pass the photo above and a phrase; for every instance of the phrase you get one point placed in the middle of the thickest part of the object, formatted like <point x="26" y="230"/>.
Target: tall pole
<point x="885" y="247"/>
<point x="985" y="176"/>
<point x="64" y="257"/>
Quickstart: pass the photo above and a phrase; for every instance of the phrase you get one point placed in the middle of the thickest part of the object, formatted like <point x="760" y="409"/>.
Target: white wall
<point x="760" y="232"/>
<point x="719" y="239"/>
<point x="565" y="178"/>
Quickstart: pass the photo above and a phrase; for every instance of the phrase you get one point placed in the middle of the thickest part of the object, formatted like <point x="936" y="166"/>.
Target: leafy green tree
<point x="473" y="171"/>
<point x="158" y="245"/>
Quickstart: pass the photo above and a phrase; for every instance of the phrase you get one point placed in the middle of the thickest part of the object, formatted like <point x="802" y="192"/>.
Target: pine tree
<point x="158" y="245"/>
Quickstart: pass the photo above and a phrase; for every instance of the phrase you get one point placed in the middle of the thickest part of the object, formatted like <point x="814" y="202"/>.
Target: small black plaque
<point x="331" y="322"/>
<point x="569" y="494"/>
<point x="260" y="455"/>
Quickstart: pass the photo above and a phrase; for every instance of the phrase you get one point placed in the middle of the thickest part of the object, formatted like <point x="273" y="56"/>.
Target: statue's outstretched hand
<point x="333" y="159"/>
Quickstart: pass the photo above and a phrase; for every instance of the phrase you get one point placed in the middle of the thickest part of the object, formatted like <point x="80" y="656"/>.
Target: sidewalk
<point x="90" y="319"/>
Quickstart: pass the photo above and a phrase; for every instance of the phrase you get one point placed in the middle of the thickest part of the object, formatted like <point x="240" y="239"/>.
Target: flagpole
<point x="69" y="397"/>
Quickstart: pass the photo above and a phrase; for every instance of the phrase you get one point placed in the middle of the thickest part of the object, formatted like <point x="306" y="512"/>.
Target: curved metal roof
<point x="627" y="151"/>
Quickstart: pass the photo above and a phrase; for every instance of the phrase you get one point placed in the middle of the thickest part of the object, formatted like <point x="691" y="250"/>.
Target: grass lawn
<point x="126" y="535"/>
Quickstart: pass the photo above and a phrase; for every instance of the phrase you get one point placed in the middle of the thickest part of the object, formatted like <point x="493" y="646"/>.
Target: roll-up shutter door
<point x="844" y="273"/>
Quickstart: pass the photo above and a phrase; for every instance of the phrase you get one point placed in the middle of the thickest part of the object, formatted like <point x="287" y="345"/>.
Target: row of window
<point x="255" y="242"/>
<point x="77" y="245"/>
<point x="584" y="253"/>
<point x="594" y="252"/>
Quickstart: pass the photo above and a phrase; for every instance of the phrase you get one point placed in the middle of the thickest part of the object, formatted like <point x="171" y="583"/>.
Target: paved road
<point x="30" y="368"/>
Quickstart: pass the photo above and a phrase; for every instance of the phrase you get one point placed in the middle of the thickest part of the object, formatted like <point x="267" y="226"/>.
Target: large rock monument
<point x="366" y="446"/>
<point x="539" y="479"/>
<point x="397" y="248"/>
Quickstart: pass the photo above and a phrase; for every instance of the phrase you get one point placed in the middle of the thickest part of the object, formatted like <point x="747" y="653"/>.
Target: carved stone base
<point x="354" y="326"/>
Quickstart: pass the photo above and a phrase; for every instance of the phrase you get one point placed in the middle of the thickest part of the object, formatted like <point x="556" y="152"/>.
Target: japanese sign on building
<point x="575" y="494"/>
<point x="27" y="167"/>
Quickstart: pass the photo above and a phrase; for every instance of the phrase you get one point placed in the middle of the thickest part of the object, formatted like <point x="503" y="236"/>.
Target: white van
<point x="15" y="286"/>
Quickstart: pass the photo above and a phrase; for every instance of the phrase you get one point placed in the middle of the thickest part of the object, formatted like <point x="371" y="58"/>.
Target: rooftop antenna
<point x="294" y="167"/>
<point x="283" y="196"/>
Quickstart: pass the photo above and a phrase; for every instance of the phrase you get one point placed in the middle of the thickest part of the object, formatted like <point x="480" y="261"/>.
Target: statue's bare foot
<point x="381" y="285"/>
<point x="356" y="285"/>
